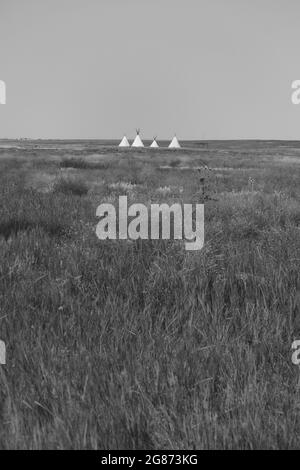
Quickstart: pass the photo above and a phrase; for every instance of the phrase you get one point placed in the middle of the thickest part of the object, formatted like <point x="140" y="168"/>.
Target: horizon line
<point x="264" y="139"/>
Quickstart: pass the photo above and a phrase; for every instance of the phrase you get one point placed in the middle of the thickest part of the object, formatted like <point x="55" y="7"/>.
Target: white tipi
<point x="174" y="144"/>
<point x="154" y="143"/>
<point x="124" y="142"/>
<point x="137" y="141"/>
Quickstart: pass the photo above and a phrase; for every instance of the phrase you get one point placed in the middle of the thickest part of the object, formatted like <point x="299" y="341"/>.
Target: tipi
<point x="174" y="144"/>
<point x="154" y="143"/>
<point x="137" y="141"/>
<point x="124" y="142"/>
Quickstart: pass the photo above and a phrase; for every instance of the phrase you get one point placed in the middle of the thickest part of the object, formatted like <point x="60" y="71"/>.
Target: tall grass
<point x="142" y="345"/>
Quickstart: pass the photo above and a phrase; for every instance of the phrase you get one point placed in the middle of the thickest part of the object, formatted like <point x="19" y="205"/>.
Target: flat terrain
<point x="143" y="345"/>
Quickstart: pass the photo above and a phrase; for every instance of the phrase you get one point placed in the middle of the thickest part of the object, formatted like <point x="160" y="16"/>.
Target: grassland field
<point x="143" y="345"/>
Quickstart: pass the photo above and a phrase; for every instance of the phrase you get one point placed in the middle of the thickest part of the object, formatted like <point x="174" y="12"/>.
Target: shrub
<point x="175" y="163"/>
<point x="73" y="163"/>
<point x="70" y="186"/>
<point x="81" y="164"/>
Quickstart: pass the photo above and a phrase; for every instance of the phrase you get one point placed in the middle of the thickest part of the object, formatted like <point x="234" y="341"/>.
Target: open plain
<point x="142" y="345"/>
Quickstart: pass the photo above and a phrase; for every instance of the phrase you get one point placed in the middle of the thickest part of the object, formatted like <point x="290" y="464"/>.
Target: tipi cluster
<point x="139" y="143"/>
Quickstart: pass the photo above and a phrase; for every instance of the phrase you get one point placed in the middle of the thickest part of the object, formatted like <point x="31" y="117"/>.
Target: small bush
<point x="15" y="225"/>
<point x="73" y="186"/>
<point x="175" y="163"/>
<point x="81" y="164"/>
<point x="73" y="163"/>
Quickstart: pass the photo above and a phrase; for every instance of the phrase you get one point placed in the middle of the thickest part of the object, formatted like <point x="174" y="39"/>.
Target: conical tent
<point x="124" y="142"/>
<point x="154" y="143"/>
<point x="174" y="144"/>
<point x="137" y="141"/>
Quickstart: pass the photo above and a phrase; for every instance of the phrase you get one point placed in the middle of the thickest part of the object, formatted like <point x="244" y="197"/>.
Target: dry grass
<point x="116" y="345"/>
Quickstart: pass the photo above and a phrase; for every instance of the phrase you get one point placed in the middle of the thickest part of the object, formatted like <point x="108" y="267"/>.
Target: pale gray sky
<point x="209" y="69"/>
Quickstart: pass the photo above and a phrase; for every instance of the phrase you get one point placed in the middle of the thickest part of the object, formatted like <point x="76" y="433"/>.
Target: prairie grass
<point x="143" y="345"/>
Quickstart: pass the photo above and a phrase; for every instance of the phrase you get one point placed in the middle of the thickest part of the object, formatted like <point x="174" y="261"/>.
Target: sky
<point x="205" y="69"/>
